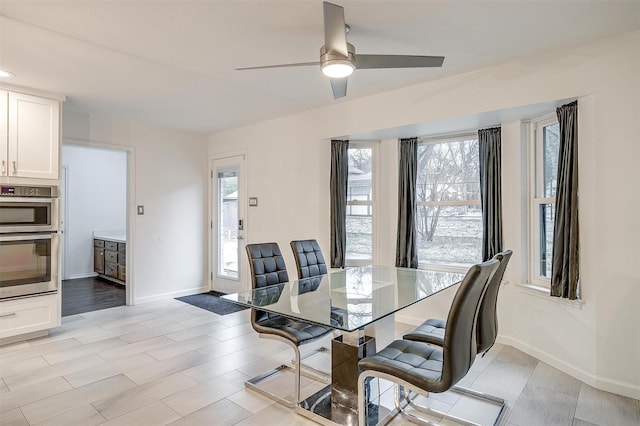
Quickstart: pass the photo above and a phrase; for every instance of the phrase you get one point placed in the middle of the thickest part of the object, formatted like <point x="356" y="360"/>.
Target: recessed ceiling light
<point x="6" y="74"/>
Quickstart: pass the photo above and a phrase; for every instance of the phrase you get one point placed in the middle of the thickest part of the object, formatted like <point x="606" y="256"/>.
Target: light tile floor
<point x="172" y="363"/>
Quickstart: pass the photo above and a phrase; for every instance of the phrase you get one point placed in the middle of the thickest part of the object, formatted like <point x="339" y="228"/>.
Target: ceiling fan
<point x="338" y="59"/>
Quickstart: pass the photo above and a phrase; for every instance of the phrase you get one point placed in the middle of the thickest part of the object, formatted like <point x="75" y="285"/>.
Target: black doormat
<point x="211" y="302"/>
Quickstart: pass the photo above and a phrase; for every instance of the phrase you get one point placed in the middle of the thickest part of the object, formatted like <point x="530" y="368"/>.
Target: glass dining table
<point x="355" y="301"/>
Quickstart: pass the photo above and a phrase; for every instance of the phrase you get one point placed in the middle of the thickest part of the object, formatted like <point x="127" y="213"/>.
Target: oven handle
<point x="25" y="237"/>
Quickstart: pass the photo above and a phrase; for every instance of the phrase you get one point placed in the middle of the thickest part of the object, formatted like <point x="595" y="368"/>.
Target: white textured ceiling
<point x="171" y="63"/>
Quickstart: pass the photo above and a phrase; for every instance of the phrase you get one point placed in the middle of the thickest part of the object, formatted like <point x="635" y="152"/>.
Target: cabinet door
<point x="98" y="260"/>
<point x="4" y="148"/>
<point x="33" y="136"/>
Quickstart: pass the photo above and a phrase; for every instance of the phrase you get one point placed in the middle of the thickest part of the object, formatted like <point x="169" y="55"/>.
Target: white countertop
<point x="117" y="236"/>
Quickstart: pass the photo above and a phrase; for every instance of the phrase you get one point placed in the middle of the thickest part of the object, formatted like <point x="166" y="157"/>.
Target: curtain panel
<point x="565" y="266"/>
<point x="338" y="189"/>
<point x="406" y="250"/>
<point x="490" y="191"/>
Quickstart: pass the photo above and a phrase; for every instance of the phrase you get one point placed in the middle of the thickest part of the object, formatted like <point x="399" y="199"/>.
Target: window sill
<point x="459" y="269"/>
<point x="543" y="293"/>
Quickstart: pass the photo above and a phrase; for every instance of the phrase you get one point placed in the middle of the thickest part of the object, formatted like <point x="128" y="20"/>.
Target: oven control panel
<point x="29" y="191"/>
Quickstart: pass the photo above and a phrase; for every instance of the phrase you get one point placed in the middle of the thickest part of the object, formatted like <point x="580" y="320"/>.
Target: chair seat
<point x="414" y="362"/>
<point x="298" y="332"/>
<point x="430" y="331"/>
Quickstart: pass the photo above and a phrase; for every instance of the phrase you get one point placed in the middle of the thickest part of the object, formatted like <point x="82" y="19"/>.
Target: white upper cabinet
<point x="30" y="136"/>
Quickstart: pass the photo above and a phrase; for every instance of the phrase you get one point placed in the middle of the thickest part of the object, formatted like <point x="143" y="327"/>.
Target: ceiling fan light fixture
<point x="338" y="69"/>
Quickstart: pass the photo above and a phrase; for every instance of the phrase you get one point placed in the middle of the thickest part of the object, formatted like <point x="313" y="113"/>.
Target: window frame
<point x="373" y="203"/>
<point x="448" y="267"/>
<point x="536" y="196"/>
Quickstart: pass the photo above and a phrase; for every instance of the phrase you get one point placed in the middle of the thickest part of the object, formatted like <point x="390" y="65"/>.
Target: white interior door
<point x="227" y="224"/>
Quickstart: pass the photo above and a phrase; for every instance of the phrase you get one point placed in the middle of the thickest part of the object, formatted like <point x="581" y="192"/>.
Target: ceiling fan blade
<point x="397" y="61"/>
<point x="339" y="87"/>
<point x="335" y="36"/>
<point x="298" y="64"/>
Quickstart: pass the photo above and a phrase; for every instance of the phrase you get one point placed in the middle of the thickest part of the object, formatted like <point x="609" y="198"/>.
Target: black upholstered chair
<point x="310" y="263"/>
<point x="433" y="330"/>
<point x="424" y="368"/>
<point x="309" y="259"/>
<point x="268" y="268"/>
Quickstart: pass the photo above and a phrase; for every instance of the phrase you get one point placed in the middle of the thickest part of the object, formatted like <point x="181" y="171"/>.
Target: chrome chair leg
<point x="434" y="412"/>
<point x="311" y="372"/>
<point x="400" y="395"/>
<point x="253" y="382"/>
<point x="297" y="369"/>
<point x="484" y="396"/>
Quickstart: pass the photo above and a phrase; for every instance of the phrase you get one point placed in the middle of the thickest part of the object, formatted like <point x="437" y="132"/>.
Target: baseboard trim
<point x="627" y="389"/>
<point x="77" y="276"/>
<point x="23" y="337"/>
<point x="614" y="386"/>
<point x="170" y="295"/>
<point x="408" y="319"/>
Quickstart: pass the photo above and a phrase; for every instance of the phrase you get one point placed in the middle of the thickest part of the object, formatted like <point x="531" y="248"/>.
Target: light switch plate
<point x="140" y="210"/>
<point x="253" y="201"/>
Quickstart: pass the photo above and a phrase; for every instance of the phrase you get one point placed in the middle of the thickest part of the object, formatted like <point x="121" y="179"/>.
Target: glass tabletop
<point x="348" y="299"/>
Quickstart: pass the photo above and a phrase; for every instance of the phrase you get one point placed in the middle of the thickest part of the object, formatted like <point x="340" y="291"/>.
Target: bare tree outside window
<point x="550" y="150"/>
<point x="449" y="214"/>
<point x="545" y="140"/>
<point x="359" y="220"/>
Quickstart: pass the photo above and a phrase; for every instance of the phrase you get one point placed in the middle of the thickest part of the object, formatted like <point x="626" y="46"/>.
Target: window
<point x="360" y="220"/>
<point x="449" y="213"/>
<point x="544" y="166"/>
<point x="227" y="222"/>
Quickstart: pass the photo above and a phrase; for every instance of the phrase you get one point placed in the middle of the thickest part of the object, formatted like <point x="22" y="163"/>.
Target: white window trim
<point x="375" y="177"/>
<point x="447" y="267"/>
<point x="535" y="176"/>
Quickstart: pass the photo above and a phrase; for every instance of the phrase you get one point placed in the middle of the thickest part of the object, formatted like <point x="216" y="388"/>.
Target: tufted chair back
<point x="487" y="327"/>
<point x="309" y="259"/>
<point x="460" y="349"/>
<point x="267" y="268"/>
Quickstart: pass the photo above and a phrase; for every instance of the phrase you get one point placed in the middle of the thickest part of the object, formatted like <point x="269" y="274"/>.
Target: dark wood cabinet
<point x="110" y="260"/>
<point x="98" y="256"/>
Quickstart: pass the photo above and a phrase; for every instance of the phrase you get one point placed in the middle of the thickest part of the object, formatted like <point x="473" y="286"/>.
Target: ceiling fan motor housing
<point x="332" y="57"/>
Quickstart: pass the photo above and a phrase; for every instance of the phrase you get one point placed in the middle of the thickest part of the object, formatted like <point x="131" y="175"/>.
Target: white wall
<point x="599" y="342"/>
<point x="169" y="244"/>
<point x="96" y="200"/>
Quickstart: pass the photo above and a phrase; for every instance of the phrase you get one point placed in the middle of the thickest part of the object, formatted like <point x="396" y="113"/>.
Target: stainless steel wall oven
<point x="28" y="240"/>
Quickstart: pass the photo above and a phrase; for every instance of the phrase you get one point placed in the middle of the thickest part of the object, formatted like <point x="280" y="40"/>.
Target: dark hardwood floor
<point x="90" y="294"/>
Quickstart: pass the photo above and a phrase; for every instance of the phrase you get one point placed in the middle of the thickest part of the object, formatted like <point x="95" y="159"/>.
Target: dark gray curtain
<point x="406" y="253"/>
<point x="565" y="265"/>
<point x="339" y="176"/>
<point x="490" y="194"/>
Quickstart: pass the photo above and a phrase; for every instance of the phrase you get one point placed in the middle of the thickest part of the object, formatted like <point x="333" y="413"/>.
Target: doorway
<point x="95" y="222"/>
<point x="228" y="224"/>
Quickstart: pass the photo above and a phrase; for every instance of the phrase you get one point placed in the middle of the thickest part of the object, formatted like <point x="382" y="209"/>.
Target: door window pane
<point x="228" y="223"/>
